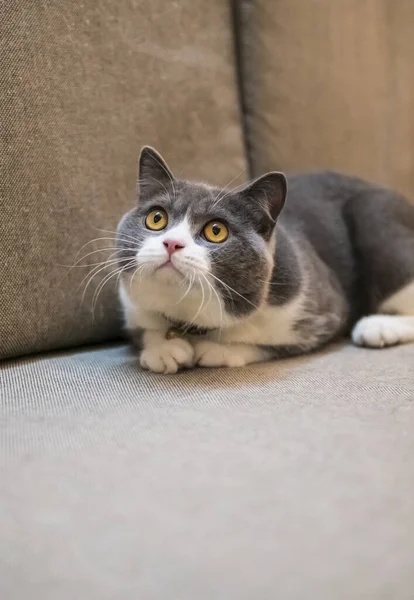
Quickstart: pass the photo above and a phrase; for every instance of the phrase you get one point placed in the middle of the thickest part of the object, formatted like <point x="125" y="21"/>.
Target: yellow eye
<point x="156" y="219"/>
<point x="216" y="232"/>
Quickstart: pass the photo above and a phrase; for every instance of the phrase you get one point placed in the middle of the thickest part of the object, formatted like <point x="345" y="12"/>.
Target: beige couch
<point x="290" y="480"/>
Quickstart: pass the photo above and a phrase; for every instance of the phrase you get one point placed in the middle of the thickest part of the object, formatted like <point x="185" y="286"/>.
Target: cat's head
<point x="184" y="235"/>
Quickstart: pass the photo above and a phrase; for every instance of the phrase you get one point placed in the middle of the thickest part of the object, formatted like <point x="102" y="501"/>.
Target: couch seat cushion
<point x="286" y="480"/>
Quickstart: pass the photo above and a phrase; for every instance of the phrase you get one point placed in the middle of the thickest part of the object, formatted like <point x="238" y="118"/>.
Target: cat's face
<point x="190" y="236"/>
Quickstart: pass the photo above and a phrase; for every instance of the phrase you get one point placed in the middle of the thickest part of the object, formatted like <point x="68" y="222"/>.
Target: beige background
<point x="82" y="87"/>
<point x="331" y="83"/>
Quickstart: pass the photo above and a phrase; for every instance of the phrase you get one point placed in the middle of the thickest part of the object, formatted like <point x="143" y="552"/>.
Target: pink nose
<point x="172" y="246"/>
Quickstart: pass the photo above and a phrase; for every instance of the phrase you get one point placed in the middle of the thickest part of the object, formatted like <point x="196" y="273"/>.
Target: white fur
<point x="153" y="253"/>
<point x="167" y="294"/>
<point x="189" y="294"/>
<point x="167" y="291"/>
<point x="232" y="346"/>
<point x="379" y="331"/>
<point x="130" y="308"/>
<point x="135" y="315"/>
<point x="165" y="356"/>
<point x="212" y="354"/>
<point x="402" y="302"/>
<point x="270" y="325"/>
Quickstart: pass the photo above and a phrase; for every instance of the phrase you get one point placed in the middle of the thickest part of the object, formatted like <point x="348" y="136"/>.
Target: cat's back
<point x="320" y="195"/>
<point x="314" y="212"/>
<point x="341" y="216"/>
<point x="322" y="204"/>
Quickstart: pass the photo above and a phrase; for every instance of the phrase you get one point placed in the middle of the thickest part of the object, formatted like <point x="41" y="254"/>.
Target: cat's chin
<point x="169" y="272"/>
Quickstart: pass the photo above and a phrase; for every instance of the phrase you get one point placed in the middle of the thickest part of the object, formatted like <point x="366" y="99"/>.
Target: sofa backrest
<point x="83" y="86"/>
<point x="330" y="84"/>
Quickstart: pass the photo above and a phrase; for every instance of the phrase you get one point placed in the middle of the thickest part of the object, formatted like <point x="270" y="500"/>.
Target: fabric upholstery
<point x="291" y="480"/>
<point x="83" y="85"/>
<point x="329" y="84"/>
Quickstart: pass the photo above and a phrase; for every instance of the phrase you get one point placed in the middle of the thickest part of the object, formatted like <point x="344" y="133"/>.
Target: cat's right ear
<point x="266" y="194"/>
<point x="154" y="175"/>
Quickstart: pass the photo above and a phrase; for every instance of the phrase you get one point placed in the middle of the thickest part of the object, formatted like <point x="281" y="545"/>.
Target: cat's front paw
<point x="168" y="357"/>
<point x="211" y="354"/>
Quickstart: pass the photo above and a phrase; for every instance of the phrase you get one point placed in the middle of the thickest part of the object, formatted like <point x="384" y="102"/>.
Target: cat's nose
<point x="172" y="246"/>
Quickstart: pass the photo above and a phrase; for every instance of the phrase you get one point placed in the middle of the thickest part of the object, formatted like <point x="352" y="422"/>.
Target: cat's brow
<point x="163" y="200"/>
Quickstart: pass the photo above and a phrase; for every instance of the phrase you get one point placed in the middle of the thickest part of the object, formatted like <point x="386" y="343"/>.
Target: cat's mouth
<point x="168" y="264"/>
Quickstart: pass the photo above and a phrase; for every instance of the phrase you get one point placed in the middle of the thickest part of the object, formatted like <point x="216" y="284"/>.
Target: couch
<point x="288" y="480"/>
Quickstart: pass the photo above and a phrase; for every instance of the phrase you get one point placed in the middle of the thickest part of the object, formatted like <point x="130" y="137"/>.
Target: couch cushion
<point x="83" y="85"/>
<point x="328" y="84"/>
<point x="291" y="480"/>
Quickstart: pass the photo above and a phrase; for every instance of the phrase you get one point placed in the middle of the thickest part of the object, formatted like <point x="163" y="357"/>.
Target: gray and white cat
<point x="226" y="278"/>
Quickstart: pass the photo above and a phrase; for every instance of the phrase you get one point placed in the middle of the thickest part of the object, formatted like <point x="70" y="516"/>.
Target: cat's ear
<point x="154" y="174"/>
<point x="267" y="194"/>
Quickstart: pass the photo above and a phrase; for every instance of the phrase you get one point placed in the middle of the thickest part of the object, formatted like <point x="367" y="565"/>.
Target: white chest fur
<point x="200" y="305"/>
<point x="270" y="325"/>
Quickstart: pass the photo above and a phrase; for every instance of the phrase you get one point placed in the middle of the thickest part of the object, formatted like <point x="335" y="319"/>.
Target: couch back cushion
<point x="329" y="84"/>
<point x="82" y="87"/>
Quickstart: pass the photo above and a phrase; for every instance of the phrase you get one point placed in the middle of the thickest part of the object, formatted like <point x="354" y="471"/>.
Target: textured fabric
<point x="329" y="84"/>
<point x="83" y="85"/>
<point x="292" y="480"/>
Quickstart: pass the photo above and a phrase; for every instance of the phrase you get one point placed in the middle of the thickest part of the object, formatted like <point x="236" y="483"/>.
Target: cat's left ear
<point x="267" y="193"/>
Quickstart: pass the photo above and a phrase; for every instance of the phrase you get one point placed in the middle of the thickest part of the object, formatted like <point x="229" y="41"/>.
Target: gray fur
<point x="250" y="214"/>
<point x="347" y="243"/>
<point x="362" y="232"/>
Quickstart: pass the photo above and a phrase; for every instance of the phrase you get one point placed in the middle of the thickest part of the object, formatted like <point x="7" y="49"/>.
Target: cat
<point x="224" y="278"/>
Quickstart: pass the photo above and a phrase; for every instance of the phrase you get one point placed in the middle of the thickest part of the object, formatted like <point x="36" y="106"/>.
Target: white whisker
<point x="137" y="271"/>
<point x="111" y="239"/>
<point x="200" y="308"/>
<point x="219" y="301"/>
<point x="117" y="234"/>
<point x="92" y="274"/>
<point x="210" y="296"/>
<point x="101" y="286"/>
<point x="190" y="285"/>
<point x="221" y="195"/>
<point x="103" y="262"/>
<point x="76" y="264"/>
<point x="234" y="291"/>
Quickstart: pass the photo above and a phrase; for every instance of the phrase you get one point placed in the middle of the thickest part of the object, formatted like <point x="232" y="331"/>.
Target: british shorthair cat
<point x="220" y="278"/>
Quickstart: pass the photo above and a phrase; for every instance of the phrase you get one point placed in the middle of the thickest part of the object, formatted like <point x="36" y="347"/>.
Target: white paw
<point x="211" y="354"/>
<point x="168" y="357"/>
<point x="379" y="331"/>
